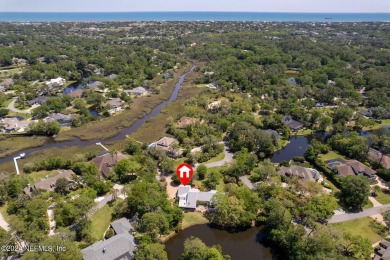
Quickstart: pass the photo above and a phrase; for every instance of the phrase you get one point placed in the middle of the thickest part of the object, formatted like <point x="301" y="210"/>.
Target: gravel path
<point x="365" y="213"/>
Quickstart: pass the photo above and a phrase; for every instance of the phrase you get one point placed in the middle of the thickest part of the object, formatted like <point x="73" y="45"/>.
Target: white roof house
<point x="56" y="82"/>
<point x="188" y="196"/>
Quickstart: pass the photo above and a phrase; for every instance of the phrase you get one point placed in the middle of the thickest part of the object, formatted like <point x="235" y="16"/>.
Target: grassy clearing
<point x="363" y="226"/>
<point x="112" y="126"/>
<point x="68" y="153"/>
<point x="291" y="73"/>
<point x="193" y="218"/>
<point x="155" y="128"/>
<point x="35" y="176"/>
<point x="217" y="158"/>
<point x="368" y="205"/>
<point x="100" y="222"/>
<point x="376" y="126"/>
<point x="330" y="156"/>
<point x="304" y="132"/>
<point x="12" y="143"/>
<point x="382" y="197"/>
<point x="3" y="211"/>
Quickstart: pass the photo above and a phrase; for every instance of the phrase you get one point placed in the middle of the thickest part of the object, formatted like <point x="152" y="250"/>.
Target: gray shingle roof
<point x="121" y="226"/>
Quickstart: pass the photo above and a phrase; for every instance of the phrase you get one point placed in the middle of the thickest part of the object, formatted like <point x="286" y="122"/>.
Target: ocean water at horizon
<point x="193" y="16"/>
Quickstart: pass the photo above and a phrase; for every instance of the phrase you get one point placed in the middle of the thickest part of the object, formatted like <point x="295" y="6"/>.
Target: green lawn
<point x="368" y="205"/>
<point x="193" y="218"/>
<point x="330" y="156"/>
<point x="362" y="227"/>
<point x="35" y="176"/>
<point x="382" y="197"/>
<point x="376" y="126"/>
<point x="3" y="211"/>
<point x="100" y="222"/>
<point x="217" y="158"/>
<point x="304" y="132"/>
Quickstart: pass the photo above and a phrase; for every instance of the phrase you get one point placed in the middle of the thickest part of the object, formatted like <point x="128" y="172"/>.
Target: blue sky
<point x="337" y="6"/>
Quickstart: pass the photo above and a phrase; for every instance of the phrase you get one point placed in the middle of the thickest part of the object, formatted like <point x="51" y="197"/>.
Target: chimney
<point x="104" y="250"/>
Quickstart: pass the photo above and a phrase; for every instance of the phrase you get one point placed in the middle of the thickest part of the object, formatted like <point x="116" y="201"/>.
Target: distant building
<point x="350" y="168"/>
<point x="64" y="120"/>
<point x="105" y="163"/>
<point x="7" y="83"/>
<point x="49" y="184"/>
<point x="188" y="197"/>
<point x="78" y="93"/>
<point x="58" y="82"/>
<point x="211" y="86"/>
<point x="12" y="124"/>
<point x="378" y="157"/>
<point x="119" y="247"/>
<point x="291" y="123"/>
<point x="291" y="80"/>
<point x="306" y="174"/>
<point x="37" y="101"/>
<point x="115" y="103"/>
<point x="138" y="91"/>
<point x="167" y="75"/>
<point x="273" y="133"/>
<point x="167" y="144"/>
<point x="214" y="104"/>
<point x="96" y="86"/>
<point x="112" y="77"/>
<point x="382" y="252"/>
<point x="186" y="121"/>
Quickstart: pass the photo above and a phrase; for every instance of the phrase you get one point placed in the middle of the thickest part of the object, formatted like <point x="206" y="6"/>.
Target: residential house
<point x="106" y="162"/>
<point x="188" y="197"/>
<point x="291" y="123"/>
<point x="186" y="121"/>
<point x="2" y="88"/>
<point x="331" y="82"/>
<point x="119" y="247"/>
<point x="64" y="120"/>
<point x="12" y="124"/>
<point x="58" y="82"/>
<point x="376" y="156"/>
<point x="273" y="133"/>
<point x="291" y="80"/>
<point x="112" y="77"/>
<point x="350" y="168"/>
<point x="382" y="251"/>
<point x="214" y="104"/>
<point x="167" y="144"/>
<point x="167" y="75"/>
<point x="7" y="83"/>
<point x="78" y="93"/>
<point x="38" y="101"/>
<point x="138" y="91"/>
<point x="96" y="86"/>
<point x="49" y="183"/>
<point x="211" y="86"/>
<point x="306" y="174"/>
<point x="115" y="103"/>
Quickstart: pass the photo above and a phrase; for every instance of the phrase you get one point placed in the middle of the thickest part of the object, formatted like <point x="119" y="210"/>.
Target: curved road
<point x="365" y="213"/>
<point x="12" y="107"/>
<point x="228" y="158"/>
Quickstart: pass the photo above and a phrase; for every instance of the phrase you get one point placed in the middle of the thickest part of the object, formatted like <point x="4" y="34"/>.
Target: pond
<point x="297" y="147"/>
<point x="72" y="87"/>
<point x="239" y="245"/>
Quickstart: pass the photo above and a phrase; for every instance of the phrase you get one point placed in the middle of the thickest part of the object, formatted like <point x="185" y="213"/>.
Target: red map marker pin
<point x="184" y="171"/>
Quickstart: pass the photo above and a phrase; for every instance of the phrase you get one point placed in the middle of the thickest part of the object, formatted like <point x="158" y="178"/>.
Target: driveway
<point x="365" y="213"/>
<point x="12" y="107"/>
<point x="247" y="182"/>
<point x="4" y="224"/>
<point x="228" y="159"/>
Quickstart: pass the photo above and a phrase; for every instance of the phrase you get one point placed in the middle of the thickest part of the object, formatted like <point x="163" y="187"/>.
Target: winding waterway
<point x="127" y="131"/>
<point x="239" y="245"/>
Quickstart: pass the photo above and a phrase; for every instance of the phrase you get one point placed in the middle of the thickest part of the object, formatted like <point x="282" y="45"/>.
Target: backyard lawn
<point x="382" y="197"/>
<point x="330" y="156"/>
<point x="100" y="222"/>
<point x="193" y="218"/>
<point x="363" y="226"/>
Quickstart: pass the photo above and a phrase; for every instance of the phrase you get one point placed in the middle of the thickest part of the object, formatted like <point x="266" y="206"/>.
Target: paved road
<point x="52" y="222"/>
<point x="12" y="107"/>
<point x="247" y="182"/>
<point x="228" y="158"/>
<point x="365" y="213"/>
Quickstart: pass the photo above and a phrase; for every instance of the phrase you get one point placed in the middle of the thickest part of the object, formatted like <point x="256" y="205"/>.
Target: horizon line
<point x="302" y="12"/>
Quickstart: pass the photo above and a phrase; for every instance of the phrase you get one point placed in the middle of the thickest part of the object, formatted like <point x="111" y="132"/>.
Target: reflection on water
<point x="239" y="245"/>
